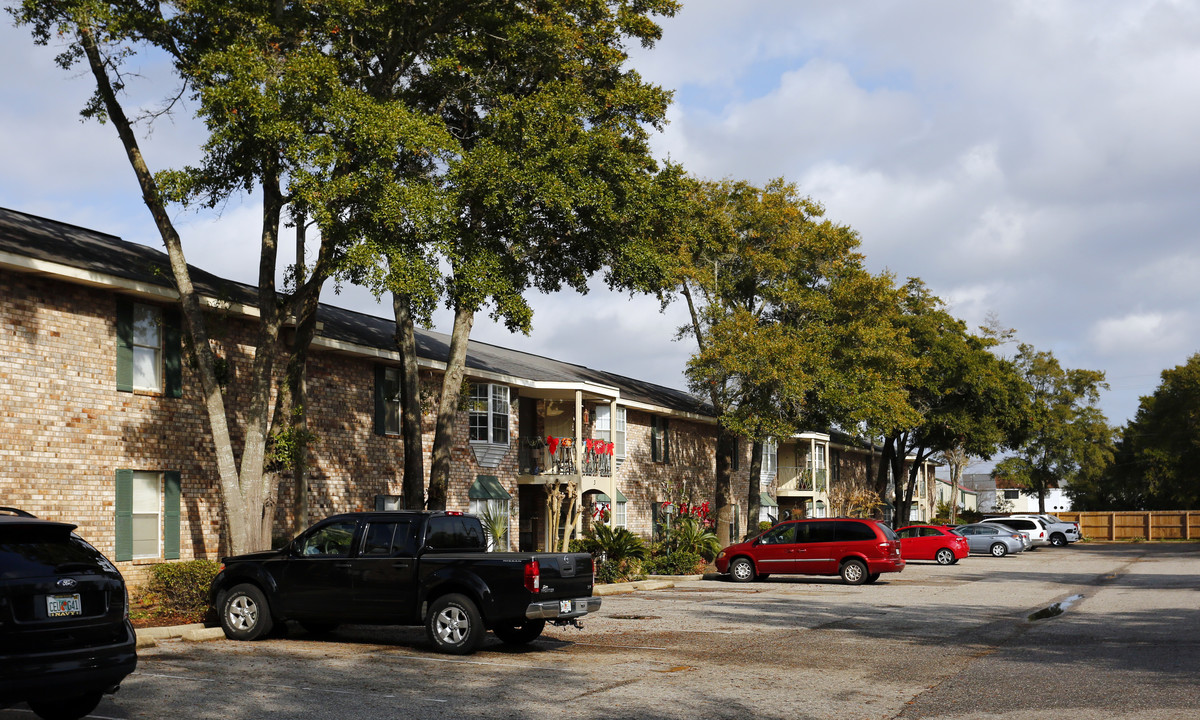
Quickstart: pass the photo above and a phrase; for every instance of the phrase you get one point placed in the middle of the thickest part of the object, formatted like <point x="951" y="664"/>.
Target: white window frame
<point x="146" y="507"/>
<point x="147" y="346"/>
<point x="498" y="406"/>
<point x="770" y="460"/>
<point x="602" y="429"/>
<point x="619" y="516"/>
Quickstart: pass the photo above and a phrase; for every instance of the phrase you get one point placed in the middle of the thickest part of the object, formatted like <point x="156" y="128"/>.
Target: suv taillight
<point x="533" y="577"/>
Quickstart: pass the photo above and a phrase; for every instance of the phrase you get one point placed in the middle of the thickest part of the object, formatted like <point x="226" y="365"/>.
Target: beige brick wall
<point x="65" y="429"/>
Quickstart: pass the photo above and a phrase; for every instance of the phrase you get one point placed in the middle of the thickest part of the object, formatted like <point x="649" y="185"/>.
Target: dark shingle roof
<point x="51" y="241"/>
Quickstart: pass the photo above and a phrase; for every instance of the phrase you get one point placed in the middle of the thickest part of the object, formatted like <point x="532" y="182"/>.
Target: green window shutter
<point x="380" y="400"/>
<point x="124" y="509"/>
<point x="172" y="340"/>
<point x="124" y="345"/>
<point x="172" y="489"/>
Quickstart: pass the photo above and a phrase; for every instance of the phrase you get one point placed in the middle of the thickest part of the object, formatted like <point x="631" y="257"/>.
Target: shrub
<point x="612" y="571"/>
<point x="675" y="562"/>
<point x="180" y="588"/>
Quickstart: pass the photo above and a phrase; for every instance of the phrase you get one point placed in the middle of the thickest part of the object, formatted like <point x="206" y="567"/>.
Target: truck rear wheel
<point x="454" y="625"/>
<point x="522" y="634"/>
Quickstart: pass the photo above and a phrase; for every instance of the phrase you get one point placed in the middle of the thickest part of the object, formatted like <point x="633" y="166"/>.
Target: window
<point x="492" y="504"/>
<point x="488" y="407"/>
<point x="390" y="539"/>
<point x="387" y="400"/>
<point x="1012" y="494"/>
<point x="770" y="457"/>
<point x="454" y="532"/>
<point x="147" y="515"/>
<point x="619" y="516"/>
<point x="660" y="439"/>
<point x="148" y="348"/>
<point x="735" y="462"/>
<point x="603" y="426"/>
<point x="146" y="506"/>
<point x="333" y="540"/>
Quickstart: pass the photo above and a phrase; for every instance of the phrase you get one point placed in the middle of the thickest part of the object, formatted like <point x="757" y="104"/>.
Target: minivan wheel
<point x="1058" y="539"/>
<point x="854" y="572"/>
<point x="741" y="570"/>
<point x="999" y="550"/>
<point x="70" y="708"/>
<point x="245" y="614"/>
<point x="945" y="556"/>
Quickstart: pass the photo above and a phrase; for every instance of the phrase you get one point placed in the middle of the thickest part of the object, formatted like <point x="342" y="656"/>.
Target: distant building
<point x="1014" y="499"/>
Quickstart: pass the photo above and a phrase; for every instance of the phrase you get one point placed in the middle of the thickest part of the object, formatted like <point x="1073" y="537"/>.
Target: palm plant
<point x="689" y="535"/>
<point x="495" y="524"/>
<point x="617" y="544"/>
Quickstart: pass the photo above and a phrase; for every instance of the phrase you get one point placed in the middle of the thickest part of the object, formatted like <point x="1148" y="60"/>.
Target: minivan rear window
<point x="849" y="531"/>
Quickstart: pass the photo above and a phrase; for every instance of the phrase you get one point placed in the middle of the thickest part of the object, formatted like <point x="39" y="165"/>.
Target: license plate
<point x="564" y="606"/>
<point x="63" y="605"/>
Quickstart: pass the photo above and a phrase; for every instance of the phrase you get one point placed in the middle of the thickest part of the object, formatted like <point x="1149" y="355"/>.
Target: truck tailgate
<point x="565" y="575"/>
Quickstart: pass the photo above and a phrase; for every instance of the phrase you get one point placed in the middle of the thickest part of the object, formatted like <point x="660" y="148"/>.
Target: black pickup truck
<point x="403" y="568"/>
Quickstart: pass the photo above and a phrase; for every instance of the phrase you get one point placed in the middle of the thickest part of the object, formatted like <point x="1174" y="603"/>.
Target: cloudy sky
<point x="1038" y="160"/>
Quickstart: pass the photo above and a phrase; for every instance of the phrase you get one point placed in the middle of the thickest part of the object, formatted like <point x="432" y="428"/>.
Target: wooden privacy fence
<point x="1137" y="525"/>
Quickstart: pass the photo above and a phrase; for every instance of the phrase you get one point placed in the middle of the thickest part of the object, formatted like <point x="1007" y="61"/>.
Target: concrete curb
<point x="194" y="632"/>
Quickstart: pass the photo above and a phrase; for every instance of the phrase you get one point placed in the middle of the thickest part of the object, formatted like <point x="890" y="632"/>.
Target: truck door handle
<point x="341" y="564"/>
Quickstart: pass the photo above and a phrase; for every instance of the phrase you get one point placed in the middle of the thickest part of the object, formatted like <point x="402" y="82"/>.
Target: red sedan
<point x="932" y="542"/>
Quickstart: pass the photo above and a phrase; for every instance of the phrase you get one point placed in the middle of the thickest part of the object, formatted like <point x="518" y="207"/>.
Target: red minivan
<point x="857" y="549"/>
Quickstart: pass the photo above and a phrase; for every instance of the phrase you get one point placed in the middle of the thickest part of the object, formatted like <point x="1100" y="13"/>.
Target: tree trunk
<point x="755" y="485"/>
<point x="724" y="489"/>
<point x="411" y="415"/>
<point x="443" y="438"/>
<point x="235" y="508"/>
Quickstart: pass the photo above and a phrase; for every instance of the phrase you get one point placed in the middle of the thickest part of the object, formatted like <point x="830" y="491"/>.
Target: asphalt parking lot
<point x="932" y="642"/>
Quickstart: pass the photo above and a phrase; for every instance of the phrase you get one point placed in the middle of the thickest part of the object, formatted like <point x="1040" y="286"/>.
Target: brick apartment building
<point x="101" y="422"/>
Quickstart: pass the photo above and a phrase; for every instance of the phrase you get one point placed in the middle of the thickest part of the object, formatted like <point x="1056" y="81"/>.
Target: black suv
<point x="65" y="637"/>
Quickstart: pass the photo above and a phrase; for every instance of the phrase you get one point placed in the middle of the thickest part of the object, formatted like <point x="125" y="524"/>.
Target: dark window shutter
<point x="380" y="400"/>
<point x="666" y="441"/>
<point x="124" y="345"/>
<point x="171" y="491"/>
<point x="124" y="509"/>
<point x="172" y="352"/>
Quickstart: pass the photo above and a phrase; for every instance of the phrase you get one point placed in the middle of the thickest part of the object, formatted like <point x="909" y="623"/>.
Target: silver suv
<point x="1062" y="532"/>
<point x="1039" y="533"/>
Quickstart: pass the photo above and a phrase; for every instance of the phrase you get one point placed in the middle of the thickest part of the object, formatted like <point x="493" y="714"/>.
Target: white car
<point x="1038" y="531"/>
<point x="1062" y="532"/>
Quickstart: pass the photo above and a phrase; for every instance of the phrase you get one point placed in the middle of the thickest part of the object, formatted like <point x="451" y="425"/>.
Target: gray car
<point x="992" y="538"/>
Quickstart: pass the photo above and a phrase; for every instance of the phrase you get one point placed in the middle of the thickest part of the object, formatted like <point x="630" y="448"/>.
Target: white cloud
<point x="1139" y="333"/>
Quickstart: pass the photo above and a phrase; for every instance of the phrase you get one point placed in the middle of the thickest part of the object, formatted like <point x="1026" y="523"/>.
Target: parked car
<point x="991" y="538"/>
<point x="1062" y="532"/>
<point x="857" y="549"/>
<point x="932" y="542"/>
<point x="1039" y="535"/>
<point x="65" y="636"/>
<point x="403" y="568"/>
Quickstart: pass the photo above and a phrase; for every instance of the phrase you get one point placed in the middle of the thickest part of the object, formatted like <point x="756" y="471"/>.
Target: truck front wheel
<point x="244" y="613"/>
<point x="522" y="634"/>
<point x="454" y="625"/>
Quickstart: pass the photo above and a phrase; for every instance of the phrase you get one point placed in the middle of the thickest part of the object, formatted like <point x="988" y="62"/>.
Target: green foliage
<point x="619" y="553"/>
<point x="583" y="544"/>
<point x="1067" y="436"/>
<point x="180" y="588"/>
<point x="1155" y="463"/>
<point x="616" y="544"/>
<point x="669" y="561"/>
<point x="689" y="535"/>
<point x="495" y="524"/>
